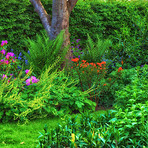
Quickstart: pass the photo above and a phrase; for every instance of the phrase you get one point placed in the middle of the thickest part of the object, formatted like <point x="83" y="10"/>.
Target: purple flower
<point x="4" y="42"/>
<point x="20" y="54"/>
<point x="142" y="65"/>
<point x="32" y="79"/>
<point x="3" y="51"/>
<point x="78" y="40"/>
<point x="4" y="76"/>
<point x="19" y="67"/>
<point x="9" y="54"/>
<point x="26" y="62"/>
<point x="19" y="58"/>
<point x="26" y="71"/>
<point x="78" y="46"/>
<point x="2" y="60"/>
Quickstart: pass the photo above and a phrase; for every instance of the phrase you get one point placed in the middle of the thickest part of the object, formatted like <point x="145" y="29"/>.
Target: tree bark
<point x="61" y="10"/>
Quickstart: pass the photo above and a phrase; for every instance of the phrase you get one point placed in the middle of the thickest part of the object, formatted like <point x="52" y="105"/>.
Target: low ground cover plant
<point x="116" y="128"/>
<point x="126" y="126"/>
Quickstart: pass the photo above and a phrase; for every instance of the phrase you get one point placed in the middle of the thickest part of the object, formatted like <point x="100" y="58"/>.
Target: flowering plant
<point x="87" y="71"/>
<point x="76" y="50"/>
<point x="8" y="63"/>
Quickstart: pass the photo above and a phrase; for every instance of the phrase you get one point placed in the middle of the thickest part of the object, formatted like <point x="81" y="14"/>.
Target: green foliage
<point x="88" y="21"/>
<point x="124" y="23"/>
<point x="96" y="50"/>
<point x="20" y="21"/>
<point x="41" y="99"/>
<point x="130" y="125"/>
<point x="44" y="52"/>
<point x="115" y="128"/>
<point x="68" y="99"/>
<point x="126" y="78"/>
<point x="136" y="91"/>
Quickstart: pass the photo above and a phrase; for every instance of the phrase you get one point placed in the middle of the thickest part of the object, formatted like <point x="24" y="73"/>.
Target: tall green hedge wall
<point x="126" y="23"/>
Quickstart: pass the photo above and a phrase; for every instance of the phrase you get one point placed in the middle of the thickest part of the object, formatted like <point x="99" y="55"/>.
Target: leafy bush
<point x="68" y="99"/>
<point x="115" y="128"/>
<point x="136" y="91"/>
<point x="40" y="99"/>
<point x="126" y="126"/>
<point x="43" y="53"/>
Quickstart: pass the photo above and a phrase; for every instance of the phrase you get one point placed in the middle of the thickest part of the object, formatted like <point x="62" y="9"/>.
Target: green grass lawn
<point x="13" y="135"/>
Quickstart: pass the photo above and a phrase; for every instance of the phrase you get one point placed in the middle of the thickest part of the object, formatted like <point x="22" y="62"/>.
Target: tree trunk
<point x="61" y="10"/>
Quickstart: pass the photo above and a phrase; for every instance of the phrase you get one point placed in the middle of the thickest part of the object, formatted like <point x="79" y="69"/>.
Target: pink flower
<point x="7" y="62"/>
<point x="9" y="54"/>
<point x="4" y="42"/>
<point x="3" y="51"/>
<point x="26" y="71"/>
<point x="4" y="76"/>
<point x="32" y="79"/>
<point x="2" y="60"/>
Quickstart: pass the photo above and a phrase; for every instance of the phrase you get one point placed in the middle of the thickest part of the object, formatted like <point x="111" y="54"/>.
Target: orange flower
<point x="122" y="62"/>
<point x="83" y="61"/>
<point x="110" y="79"/>
<point x="84" y="64"/>
<point x="120" y="68"/>
<point x="103" y="62"/>
<point x="75" y="60"/>
<point x="100" y="64"/>
<point x="93" y="64"/>
<point x="104" y="84"/>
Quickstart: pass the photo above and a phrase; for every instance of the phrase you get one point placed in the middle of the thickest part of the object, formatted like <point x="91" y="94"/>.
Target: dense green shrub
<point x="122" y="22"/>
<point x="136" y="91"/>
<point x="115" y="128"/>
<point x="20" y="21"/>
<point x="41" y="99"/>
<point x="126" y="126"/>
